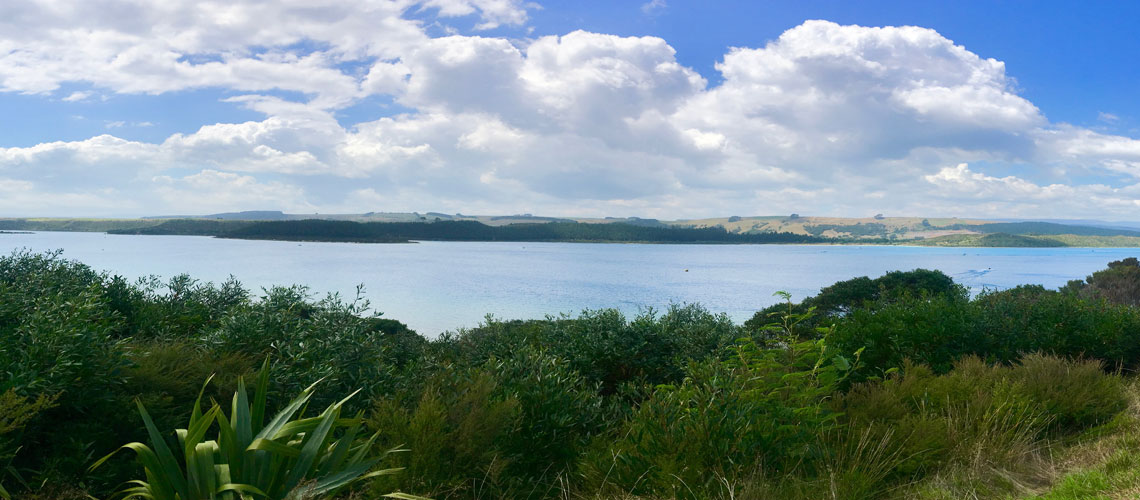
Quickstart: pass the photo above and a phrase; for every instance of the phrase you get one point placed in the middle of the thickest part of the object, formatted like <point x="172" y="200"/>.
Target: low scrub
<point x="983" y="429"/>
<point x="761" y="409"/>
<point x="901" y="386"/>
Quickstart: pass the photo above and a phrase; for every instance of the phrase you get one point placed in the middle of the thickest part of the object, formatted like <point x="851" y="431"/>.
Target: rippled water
<point x="437" y="286"/>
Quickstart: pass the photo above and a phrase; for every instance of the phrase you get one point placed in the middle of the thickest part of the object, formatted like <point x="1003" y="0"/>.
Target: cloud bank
<point x="825" y="119"/>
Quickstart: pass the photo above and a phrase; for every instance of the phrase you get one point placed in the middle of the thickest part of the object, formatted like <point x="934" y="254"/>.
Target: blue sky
<point x="1073" y="60"/>
<point x="983" y="109"/>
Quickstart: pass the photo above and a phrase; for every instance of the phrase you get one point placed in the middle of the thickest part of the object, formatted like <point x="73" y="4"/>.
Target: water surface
<point x="437" y="286"/>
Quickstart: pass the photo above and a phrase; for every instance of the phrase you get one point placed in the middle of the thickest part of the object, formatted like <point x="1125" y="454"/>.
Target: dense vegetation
<point x="98" y="225"/>
<point x="901" y="386"/>
<point x="391" y="232"/>
<point x="1048" y="228"/>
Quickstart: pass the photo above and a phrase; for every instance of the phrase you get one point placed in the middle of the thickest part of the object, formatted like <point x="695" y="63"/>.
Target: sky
<point x="653" y="108"/>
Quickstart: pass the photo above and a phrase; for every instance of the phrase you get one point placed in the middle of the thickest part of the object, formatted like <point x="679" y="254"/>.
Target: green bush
<point x="1074" y="395"/>
<point x="56" y="329"/>
<point x="934" y="331"/>
<point x="979" y="416"/>
<point x="178" y="309"/>
<point x="560" y="411"/>
<point x="843" y="297"/>
<point x="1029" y="319"/>
<point x="608" y="350"/>
<point x="972" y="417"/>
<point x="165" y="376"/>
<point x="761" y="409"/>
<point x="58" y="338"/>
<point x="332" y="340"/>
<point x="15" y="412"/>
<point x="603" y="345"/>
<point x="998" y="326"/>
<point x="1118" y="284"/>
<point x="455" y="433"/>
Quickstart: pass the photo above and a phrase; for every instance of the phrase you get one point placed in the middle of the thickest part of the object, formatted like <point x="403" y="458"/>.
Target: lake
<point x="438" y="286"/>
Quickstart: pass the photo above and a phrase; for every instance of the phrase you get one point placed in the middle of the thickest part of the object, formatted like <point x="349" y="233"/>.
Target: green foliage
<point x="287" y="457"/>
<point x="762" y="407"/>
<point x="58" y="338"/>
<point x="15" y="412"/>
<point x="843" y="297"/>
<point x="397" y="232"/>
<point x="603" y="346"/>
<point x="606" y="349"/>
<point x="457" y="429"/>
<point x="60" y="342"/>
<point x="97" y="342"/>
<point x="933" y="332"/>
<point x="979" y="418"/>
<point x="560" y="412"/>
<point x="54" y="224"/>
<point x="1009" y="240"/>
<point x="999" y="326"/>
<point x="1118" y="284"/>
<point x="164" y="376"/>
<point x="304" y="338"/>
<point x="180" y="308"/>
<point x="676" y="404"/>
<point x="1073" y="394"/>
<point x="1048" y="228"/>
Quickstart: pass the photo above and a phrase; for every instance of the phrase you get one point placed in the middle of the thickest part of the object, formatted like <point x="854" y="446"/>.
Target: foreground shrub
<point x="933" y="332"/>
<point x="762" y="409"/>
<point x="1074" y="395"/>
<point x="980" y="418"/>
<point x="58" y="337"/>
<point x="607" y="349"/>
<point x="603" y="346"/>
<point x="165" y="376"/>
<point x="457" y="430"/>
<point x="287" y="457"/>
<point x="997" y="326"/>
<point x="332" y="340"/>
<point x="56" y="329"/>
<point x="179" y="308"/>
<point x="560" y="412"/>
<point x="15" y="412"/>
<point x="508" y="427"/>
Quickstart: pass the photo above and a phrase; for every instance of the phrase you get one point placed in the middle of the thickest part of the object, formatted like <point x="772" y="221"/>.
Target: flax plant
<point x="290" y="457"/>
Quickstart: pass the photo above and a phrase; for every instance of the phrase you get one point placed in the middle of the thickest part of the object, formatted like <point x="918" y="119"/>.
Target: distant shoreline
<point x="946" y="233"/>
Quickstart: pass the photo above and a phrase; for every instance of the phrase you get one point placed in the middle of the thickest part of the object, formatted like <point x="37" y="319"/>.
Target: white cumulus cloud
<point x="825" y="119"/>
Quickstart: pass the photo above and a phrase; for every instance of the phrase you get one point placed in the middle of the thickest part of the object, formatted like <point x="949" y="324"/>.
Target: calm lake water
<point x="437" y="286"/>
